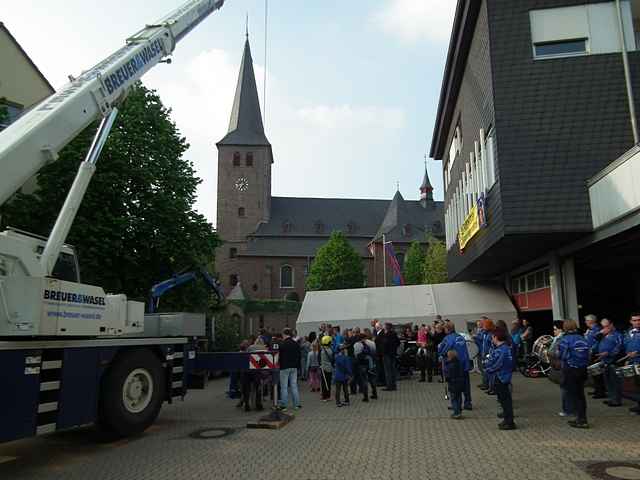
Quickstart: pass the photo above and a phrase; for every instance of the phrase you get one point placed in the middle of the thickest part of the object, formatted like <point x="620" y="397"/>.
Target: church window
<point x="287" y="226"/>
<point x="286" y="276"/>
<point x="233" y="279"/>
<point x="236" y="159"/>
<point x="249" y="159"/>
<point x="406" y="230"/>
<point x="352" y="227"/>
<point x="254" y="287"/>
<point x="241" y="212"/>
<point x="233" y="252"/>
<point x="319" y="226"/>
<point x="261" y="321"/>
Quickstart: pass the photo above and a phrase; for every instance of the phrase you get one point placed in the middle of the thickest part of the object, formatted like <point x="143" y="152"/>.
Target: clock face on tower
<point x="242" y="184"/>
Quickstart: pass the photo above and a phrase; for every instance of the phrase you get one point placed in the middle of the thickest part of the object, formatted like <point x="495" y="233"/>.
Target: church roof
<point x="299" y="226"/>
<point x="245" y="125"/>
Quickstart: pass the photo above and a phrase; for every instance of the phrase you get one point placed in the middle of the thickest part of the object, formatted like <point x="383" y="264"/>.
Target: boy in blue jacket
<point x="343" y="373"/>
<point x="455" y="376"/>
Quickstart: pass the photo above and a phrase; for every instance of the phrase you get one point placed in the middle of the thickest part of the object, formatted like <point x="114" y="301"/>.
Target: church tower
<point x="426" y="189"/>
<point x="244" y="173"/>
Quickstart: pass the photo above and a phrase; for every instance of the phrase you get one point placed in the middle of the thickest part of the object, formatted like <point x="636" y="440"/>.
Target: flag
<point x="395" y="265"/>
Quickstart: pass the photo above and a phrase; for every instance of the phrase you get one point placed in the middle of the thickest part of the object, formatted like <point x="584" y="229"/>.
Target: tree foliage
<point x="136" y="225"/>
<point x="337" y="266"/>
<point x="435" y="264"/>
<point x="414" y="264"/>
<point x="226" y="332"/>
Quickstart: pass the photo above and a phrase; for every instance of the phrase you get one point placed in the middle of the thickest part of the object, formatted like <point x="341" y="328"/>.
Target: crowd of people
<point x="340" y="364"/>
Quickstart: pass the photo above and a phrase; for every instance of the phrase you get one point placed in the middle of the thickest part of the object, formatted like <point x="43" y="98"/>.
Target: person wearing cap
<point x="609" y="351"/>
<point x="500" y="363"/>
<point x="593" y="336"/>
<point x="573" y="351"/>
<point x="343" y="374"/>
<point x="632" y="347"/>
<point x="327" y="362"/>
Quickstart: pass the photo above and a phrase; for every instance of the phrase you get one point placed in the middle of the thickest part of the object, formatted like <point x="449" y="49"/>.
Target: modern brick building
<point x="533" y="113"/>
<point x="270" y="242"/>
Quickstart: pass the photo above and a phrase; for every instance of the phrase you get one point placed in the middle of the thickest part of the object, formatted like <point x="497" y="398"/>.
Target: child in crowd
<point x="343" y="374"/>
<point x="313" y="367"/>
<point x="454" y="375"/>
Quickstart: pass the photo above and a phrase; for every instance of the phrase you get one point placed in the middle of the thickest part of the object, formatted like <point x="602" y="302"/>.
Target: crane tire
<point x="131" y="394"/>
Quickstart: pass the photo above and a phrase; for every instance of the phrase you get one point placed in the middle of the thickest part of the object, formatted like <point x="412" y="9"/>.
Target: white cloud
<point x="413" y="20"/>
<point x="352" y="117"/>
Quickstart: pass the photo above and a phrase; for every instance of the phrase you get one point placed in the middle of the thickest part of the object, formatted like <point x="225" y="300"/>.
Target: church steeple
<point x="245" y="125"/>
<point x="426" y="189"/>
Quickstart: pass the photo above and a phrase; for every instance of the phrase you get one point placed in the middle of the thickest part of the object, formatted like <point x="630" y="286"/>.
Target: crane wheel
<point x="132" y="392"/>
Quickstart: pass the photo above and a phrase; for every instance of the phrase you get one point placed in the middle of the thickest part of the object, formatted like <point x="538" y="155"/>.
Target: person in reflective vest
<point x="632" y="347"/>
<point x="455" y="341"/>
<point x="574" y="354"/>
<point x="500" y="363"/>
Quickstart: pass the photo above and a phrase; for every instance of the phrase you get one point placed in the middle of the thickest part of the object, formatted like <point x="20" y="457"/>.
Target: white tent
<point x="463" y="303"/>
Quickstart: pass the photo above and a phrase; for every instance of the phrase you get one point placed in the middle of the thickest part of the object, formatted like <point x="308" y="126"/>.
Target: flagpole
<point x="384" y="259"/>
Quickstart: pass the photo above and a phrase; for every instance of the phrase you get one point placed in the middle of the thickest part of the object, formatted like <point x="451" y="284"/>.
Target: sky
<point x="352" y="86"/>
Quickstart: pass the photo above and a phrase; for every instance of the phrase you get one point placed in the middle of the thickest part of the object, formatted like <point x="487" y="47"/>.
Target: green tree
<point x="435" y="263"/>
<point x="136" y="225"/>
<point x="414" y="264"/>
<point x="226" y="332"/>
<point x="337" y="266"/>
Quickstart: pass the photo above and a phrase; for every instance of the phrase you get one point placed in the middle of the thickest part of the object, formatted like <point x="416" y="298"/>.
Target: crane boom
<point x="36" y="138"/>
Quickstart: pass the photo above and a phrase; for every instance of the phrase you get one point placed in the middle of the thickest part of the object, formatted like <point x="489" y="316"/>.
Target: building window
<point x="233" y="279"/>
<point x="580" y="30"/>
<point x="241" y="212"/>
<point x="249" y="159"/>
<point x="352" y="227"/>
<point x="490" y="158"/>
<point x="454" y="150"/>
<point x="406" y="230"/>
<point x="319" y="226"/>
<point x="287" y="226"/>
<point x="254" y="287"/>
<point x="11" y="113"/>
<point x="233" y="252"/>
<point x="236" y="159"/>
<point x="261" y="321"/>
<point x="563" y="48"/>
<point x="286" y="276"/>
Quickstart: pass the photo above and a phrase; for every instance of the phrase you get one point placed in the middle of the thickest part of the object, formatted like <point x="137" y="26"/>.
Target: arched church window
<point x="406" y="230"/>
<point x="286" y="276"/>
<point x="241" y="212"/>
<point x="236" y="159"/>
<point x="249" y="159"/>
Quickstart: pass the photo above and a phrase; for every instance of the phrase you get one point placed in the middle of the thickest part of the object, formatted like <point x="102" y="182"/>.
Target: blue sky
<point x="352" y="87"/>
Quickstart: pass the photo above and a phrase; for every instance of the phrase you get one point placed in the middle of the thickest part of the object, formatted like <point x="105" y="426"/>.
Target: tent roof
<point x="461" y="302"/>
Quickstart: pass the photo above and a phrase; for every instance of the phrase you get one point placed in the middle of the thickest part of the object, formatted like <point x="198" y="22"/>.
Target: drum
<point x="542" y="348"/>
<point x="596" y="369"/>
<point x="626" y="371"/>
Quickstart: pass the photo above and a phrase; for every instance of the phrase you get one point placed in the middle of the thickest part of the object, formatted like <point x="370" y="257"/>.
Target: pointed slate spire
<point x="426" y="189"/>
<point x="396" y="216"/>
<point x="245" y="125"/>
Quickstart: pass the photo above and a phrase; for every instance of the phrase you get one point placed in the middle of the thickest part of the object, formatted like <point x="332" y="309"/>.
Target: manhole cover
<point x="614" y="471"/>
<point x="211" y="433"/>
